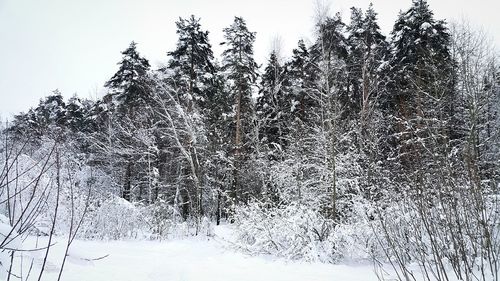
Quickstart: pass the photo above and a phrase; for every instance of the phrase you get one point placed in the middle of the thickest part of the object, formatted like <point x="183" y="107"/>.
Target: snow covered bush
<point x="455" y="233"/>
<point x="297" y="231"/>
<point x="115" y="218"/>
<point x="31" y="185"/>
<point x="165" y="221"/>
<point x="30" y="205"/>
<point x="160" y="217"/>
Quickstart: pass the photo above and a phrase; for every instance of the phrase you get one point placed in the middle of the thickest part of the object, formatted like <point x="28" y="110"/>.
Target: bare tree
<point x="30" y="189"/>
<point x="451" y="219"/>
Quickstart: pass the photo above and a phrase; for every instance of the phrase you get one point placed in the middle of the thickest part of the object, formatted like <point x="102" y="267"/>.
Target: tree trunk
<point x="127" y="183"/>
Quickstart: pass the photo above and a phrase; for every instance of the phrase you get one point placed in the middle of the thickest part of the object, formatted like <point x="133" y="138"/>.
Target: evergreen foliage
<point x="345" y="131"/>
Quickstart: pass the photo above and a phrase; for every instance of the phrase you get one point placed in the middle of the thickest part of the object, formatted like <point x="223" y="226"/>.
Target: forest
<point x="358" y="146"/>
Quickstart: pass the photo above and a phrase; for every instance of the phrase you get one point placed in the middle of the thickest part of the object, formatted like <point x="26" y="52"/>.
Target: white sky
<point x="74" y="45"/>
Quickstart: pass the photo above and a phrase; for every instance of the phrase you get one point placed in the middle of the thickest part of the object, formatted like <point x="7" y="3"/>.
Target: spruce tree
<point x="49" y="117"/>
<point x="421" y="85"/>
<point x="51" y="114"/>
<point x="368" y="53"/>
<point x="191" y="62"/>
<point x="302" y="74"/>
<point x="421" y="55"/>
<point x="127" y="121"/>
<point x="273" y="107"/>
<point x="329" y="55"/>
<point x="192" y="77"/>
<point x="128" y="87"/>
<point x="366" y="63"/>
<point x="219" y="133"/>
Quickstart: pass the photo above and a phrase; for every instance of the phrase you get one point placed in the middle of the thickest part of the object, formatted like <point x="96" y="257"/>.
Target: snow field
<point x="192" y="259"/>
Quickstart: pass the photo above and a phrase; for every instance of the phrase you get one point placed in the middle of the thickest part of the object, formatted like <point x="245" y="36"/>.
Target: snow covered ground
<point x="192" y="259"/>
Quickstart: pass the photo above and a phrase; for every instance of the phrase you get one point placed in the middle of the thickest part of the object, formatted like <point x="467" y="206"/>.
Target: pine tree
<point x="241" y="72"/>
<point x="305" y="109"/>
<point x="79" y="115"/>
<point x="52" y="110"/>
<point x="355" y="60"/>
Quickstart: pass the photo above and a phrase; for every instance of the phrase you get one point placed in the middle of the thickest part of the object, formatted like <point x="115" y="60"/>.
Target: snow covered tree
<point x="329" y="55"/>
<point x="476" y="110"/>
<point x="52" y="110"/>
<point x="273" y="108"/>
<point x="48" y="117"/>
<point x="302" y="76"/>
<point x="421" y="83"/>
<point x="191" y="62"/>
<point x="79" y="115"/>
<point x="217" y="113"/>
<point x="368" y="51"/>
<point x="366" y="64"/>
<point x="192" y="78"/>
<point x="128" y="87"/>
<point x="240" y="70"/>
<point x="127" y="121"/>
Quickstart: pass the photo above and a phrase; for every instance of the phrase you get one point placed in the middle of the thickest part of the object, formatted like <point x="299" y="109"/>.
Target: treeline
<point x="354" y="117"/>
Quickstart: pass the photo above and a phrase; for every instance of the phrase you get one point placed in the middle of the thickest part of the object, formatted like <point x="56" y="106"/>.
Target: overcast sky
<point x="74" y="45"/>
